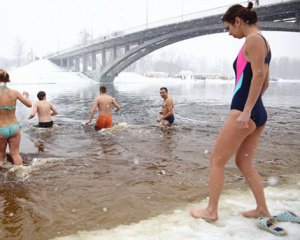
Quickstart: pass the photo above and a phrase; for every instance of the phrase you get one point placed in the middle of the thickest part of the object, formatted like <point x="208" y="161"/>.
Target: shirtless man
<point x="45" y="111"/>
<point x="167" y="113"/>
<point x="104" y="104"/>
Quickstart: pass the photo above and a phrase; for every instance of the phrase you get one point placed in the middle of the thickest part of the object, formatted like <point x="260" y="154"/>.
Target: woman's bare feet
<point x="205" y="214"/>
<point x="256" y="213"/>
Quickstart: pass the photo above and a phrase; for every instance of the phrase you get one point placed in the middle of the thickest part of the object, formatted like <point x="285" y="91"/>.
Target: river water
<point x="85" y="180"/>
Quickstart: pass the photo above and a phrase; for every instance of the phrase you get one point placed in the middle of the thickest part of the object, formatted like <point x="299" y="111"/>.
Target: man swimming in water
<point x="44" y="109"/>
<point x="167" y="114"/>
<point x="104" y="104"/>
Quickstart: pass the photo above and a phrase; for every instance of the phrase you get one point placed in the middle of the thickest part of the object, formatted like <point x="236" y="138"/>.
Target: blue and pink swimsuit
<point x="243" y="74"/>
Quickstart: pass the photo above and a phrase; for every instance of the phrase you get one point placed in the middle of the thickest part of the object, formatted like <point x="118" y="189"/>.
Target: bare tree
<point x="19" y="50"/>
<point x="84" y="36"/>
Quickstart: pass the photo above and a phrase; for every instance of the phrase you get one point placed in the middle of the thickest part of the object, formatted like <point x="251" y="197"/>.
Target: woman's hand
<point x="242" y="120"/>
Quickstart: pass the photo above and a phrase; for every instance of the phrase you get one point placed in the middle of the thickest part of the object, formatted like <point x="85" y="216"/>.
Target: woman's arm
<point x="24" y="98"/>
<point x="255" y="52"/>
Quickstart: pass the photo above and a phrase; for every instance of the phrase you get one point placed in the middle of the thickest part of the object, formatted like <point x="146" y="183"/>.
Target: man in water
<point x="104" y="104"/>
<point x="167" y="113"/>
<point x="45" y="111"/>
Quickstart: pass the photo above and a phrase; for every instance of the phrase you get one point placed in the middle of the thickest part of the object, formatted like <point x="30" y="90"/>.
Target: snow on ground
<point x="45" y="72"/>
<point x="230" y="226"/>
<point x="43" y="75"/>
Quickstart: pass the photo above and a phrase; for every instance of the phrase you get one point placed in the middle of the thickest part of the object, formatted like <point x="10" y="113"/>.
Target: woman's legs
<point x="227" y="143"/>
<point x="14" y="144"/>
<point x="244" y="161"/>
<point x="3" y="144"/>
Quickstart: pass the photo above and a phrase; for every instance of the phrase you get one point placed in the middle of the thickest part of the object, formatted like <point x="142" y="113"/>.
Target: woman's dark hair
<point x="4" y="77"/>
<point x="245" y="13"/>
<point x="41" y="95"/>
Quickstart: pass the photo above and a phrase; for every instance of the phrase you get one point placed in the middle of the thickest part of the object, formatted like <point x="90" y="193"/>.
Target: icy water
<point x="90" y="181"/>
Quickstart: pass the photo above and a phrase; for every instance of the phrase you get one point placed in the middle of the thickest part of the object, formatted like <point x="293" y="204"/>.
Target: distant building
<point x="186" y="75"/>
<point x="204" y="76"/>
<point x="157" y="74"/>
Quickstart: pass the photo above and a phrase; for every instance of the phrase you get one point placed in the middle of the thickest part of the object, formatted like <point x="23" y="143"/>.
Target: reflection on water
<point x="86" y="180"/>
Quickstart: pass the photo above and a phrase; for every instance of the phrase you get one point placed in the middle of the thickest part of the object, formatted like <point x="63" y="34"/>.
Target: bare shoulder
<point x="254" y="37"/>
<point x="97" y="99"/>
<point x="38" y="104"/>
<point x="169" y="99"/>
<point x="255" y="40"/>
<point x="108" y="98"/>
<point x="49" y="103"/>
<point x="42" y="103"/>
<point x="111" y="98"/>
<point x="14" y="93"/>
<point x="255" y="47"/>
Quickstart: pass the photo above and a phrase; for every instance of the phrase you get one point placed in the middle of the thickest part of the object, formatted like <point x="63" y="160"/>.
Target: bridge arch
<point x="283" y="16"/>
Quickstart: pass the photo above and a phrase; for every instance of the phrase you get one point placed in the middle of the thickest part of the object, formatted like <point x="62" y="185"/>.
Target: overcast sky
<point x="50" y="25"/>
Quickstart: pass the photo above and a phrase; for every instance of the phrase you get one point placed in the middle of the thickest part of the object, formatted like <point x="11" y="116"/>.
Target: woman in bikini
<point x="242" y="130"/>
<point x="9" y="126"/>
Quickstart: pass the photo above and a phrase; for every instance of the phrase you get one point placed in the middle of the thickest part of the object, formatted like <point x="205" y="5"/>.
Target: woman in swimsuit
<point x="242" y="130"/>
<point x="9" y="126"/>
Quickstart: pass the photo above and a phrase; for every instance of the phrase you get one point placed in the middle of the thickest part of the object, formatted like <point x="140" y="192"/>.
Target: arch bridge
<point x="120" y="49"/>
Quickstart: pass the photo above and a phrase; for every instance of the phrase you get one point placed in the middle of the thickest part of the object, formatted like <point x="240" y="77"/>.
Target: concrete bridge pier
<point x="77" y="64"/>
<point x="61" y="62"/>
<point x="103" y="57"/>
<point x="115" y="54"/>
<point x="107" y="78"/>
<point x="68" y="63"/>
<point x="84" y="62"/>
<point x="94" y="61"/>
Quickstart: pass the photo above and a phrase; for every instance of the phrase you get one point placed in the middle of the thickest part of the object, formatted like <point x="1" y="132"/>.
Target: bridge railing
<point x="189" y="16"/>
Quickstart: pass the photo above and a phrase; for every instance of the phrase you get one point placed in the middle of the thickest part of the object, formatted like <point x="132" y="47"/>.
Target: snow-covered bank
<point x="128" y="81"/>
<point x="43" y="75"/>
<point x="230" y="226"/>
<point x="45" y="72"/>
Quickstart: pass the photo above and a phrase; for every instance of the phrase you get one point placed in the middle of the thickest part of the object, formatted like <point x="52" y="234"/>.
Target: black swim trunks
<point x="170" y="119"/>
<point x="45" y="124"/>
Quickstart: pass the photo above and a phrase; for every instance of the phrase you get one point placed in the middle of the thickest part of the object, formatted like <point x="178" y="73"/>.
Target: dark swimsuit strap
<point x="5" y="88"/>
<point x="268" y="56"/>
<point x="268" y="50"/>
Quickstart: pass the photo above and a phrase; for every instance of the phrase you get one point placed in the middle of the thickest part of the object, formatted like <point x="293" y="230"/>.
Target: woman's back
<point x="8" y="98"/>
<point x="10" y="134"/>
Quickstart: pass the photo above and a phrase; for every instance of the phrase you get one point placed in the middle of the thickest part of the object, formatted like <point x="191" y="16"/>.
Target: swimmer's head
<point x="102" y="89"/>
<point x="163" y="92"/>
<point x="41" y="95"/>
<point x="248" y="15"/>
<point x="163" y="89"/>
<point x="4" y="77"/>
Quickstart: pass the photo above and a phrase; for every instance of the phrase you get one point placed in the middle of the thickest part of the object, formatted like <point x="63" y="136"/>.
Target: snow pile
<point x="45" y="72"/>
